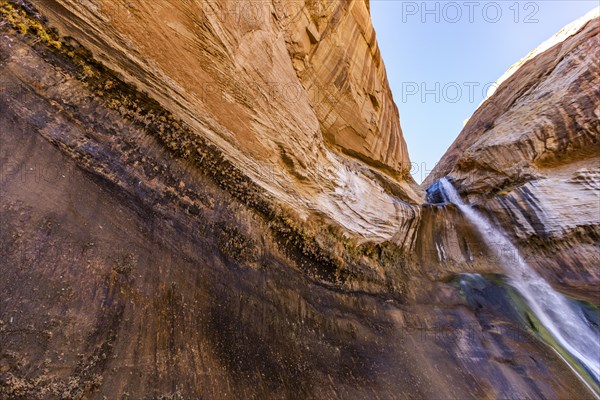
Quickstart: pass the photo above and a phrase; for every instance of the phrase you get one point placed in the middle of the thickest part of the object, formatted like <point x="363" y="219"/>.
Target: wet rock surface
<point x="530" y="157"/>
<point x="138" y="261"/>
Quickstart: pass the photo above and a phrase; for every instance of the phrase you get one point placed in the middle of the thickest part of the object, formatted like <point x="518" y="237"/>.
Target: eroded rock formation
<point x="165" y="239"/>
<point x="283" y="87"/>
<point x="530" y="155"/>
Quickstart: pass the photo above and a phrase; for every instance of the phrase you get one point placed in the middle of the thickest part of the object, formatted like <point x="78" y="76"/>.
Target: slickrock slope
<point x="531" y="156"/>
<point x="284" y="88"/>
<point x="145" y="256"/>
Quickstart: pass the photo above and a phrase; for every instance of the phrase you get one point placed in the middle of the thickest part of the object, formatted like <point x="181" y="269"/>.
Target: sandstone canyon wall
<point x="530" y="156"/>
<point x="174" y="228"/>
<point x="288" y="89"/>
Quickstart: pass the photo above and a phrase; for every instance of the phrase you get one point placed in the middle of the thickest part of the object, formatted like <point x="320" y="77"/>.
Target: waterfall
<point x="565" y="323"/>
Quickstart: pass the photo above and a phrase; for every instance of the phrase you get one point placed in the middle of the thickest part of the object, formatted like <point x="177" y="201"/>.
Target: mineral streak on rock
<point x="530" y="155"/>
<point x="174" y="227"/>
<point x="292" y="91"/>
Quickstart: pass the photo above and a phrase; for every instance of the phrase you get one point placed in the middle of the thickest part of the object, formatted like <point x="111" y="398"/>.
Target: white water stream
<point x="565" y="323"/>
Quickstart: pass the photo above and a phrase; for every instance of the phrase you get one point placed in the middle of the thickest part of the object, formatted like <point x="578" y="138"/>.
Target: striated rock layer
<point x="530" y="156"/>
<point x="292" y="91"/>
<point x="145" y="255"/>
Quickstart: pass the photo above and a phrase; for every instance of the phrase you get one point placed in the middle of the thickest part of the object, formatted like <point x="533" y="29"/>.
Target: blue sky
<point x="440" y="57"/>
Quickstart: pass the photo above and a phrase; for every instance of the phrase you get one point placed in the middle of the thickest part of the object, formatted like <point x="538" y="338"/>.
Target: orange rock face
<point x="273" y="82"/>
<point x="531" y="155"/>
<point x="295" y="93"/>
<point x="335" y="53"/>
<point x="542" y="116"/>
<point x="219" y="210"/>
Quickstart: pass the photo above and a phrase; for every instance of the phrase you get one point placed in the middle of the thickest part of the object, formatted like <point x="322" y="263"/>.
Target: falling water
<point x="565" y="323"/>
